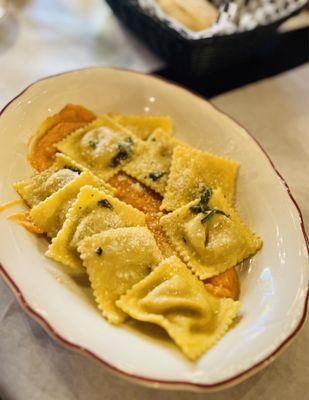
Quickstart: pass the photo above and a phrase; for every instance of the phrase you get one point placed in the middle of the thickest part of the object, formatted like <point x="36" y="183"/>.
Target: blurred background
<point x="43" y="37"/>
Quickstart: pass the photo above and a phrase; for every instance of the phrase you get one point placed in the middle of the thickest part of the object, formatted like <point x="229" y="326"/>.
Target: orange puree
<point x="53" y="129"/>
<point x="10" y="204"/>
<point x="146" y="200"/>
<point x="225" y="284"/>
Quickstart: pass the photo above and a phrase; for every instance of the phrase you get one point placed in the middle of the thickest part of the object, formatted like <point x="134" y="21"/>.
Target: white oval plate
<point x="274" y="284"/>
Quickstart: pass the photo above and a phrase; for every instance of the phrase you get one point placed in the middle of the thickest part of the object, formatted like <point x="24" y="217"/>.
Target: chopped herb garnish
<point x="202" y="206"/>
<point x="92" y="144"/>
<point x="196" y="209"/>
<point x="99" y="251"/>
<point x="124" y="152"/>
<point x="205" y="197"/>
<point x="105" y="203"/>
<point x="156" y="175"/>
<point x="74" y="169"/>
<point x="211" y="213"/>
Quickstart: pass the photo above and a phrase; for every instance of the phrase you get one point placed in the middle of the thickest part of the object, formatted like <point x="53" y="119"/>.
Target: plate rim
<point x="158" y="383"/>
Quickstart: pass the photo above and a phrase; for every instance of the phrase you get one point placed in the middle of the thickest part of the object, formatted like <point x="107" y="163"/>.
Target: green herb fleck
<point x="196" y="209"/>
<point x="105" y="203"/>
<point x="74" y="169"/>
<point x="124" y="152"/>
<point x="92" y="144"/>
<point x="202" y="206"/>
<point x="129" y="140"/>
<point x="211" y="213"/>
<point x="205" y="197"/>
<point x="156" y="175"/>
<point x="99" y="251"/>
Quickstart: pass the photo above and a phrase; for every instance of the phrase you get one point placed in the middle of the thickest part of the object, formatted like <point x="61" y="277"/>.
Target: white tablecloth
<point x="42" y="37"/>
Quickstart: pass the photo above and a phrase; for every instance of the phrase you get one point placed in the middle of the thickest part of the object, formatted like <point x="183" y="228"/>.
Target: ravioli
<point x="172" y="297"/>
<point x="37" y="188"/>
<point x="213" y="241"/>
<point x="191" y="170"/>
<point x="171" y="201"/>
<point x="152" y="166"/>
<point x="144" y="125"/>
<point x="94" y="211"/>
<point x="115" y="260"/>
<point x="103" y="146"/>
<point x="50" y="214"/>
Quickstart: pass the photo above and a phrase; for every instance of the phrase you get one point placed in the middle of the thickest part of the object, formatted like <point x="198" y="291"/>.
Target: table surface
<point x="275" y="111"/>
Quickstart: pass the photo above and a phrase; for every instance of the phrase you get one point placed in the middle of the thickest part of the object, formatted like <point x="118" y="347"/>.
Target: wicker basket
<point x="188" y="56"/>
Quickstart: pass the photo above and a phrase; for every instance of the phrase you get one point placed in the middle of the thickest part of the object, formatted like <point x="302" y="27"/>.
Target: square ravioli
<point x="37" y="188"/>
<point x="209" y="235"/>
<point x="103" y="146"/>
<point x="191" y="170"/>
<point x="152" y="166"/>
<point x="172" y="297"/>
<point x="115" y="260"/>
<point x="144" y="125"/>
<point x="50" y="214"/>
<point x="93" y="211"/>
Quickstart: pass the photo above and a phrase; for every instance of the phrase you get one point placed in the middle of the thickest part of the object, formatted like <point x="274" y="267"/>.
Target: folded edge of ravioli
<point x="172" y="297"/>
<point x="144" y="125"/>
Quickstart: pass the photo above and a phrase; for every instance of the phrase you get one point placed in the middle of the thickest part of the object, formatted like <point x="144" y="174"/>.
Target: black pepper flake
<point x="105" y="203"/>
<point x="99" y="251"/>
<point x="156" y="175"/>
<point x="74" y="169"/>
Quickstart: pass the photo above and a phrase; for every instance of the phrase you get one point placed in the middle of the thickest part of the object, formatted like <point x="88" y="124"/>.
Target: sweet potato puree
<point x="58" y="126"/>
